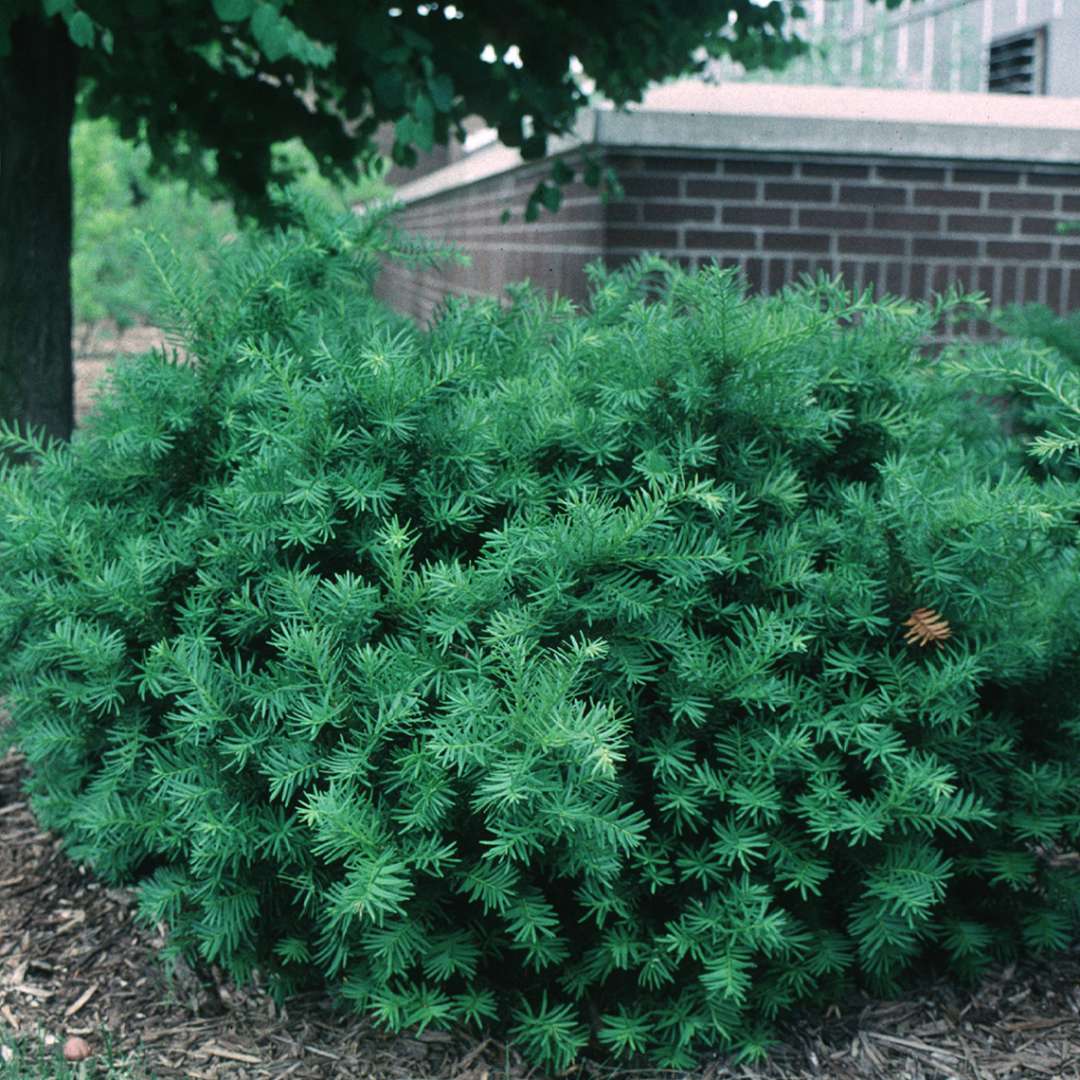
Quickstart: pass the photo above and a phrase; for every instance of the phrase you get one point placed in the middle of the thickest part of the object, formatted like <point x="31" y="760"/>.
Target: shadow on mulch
<point x="73" y="962"/>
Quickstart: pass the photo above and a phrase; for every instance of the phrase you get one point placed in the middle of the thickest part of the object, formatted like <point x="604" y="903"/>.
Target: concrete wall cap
<point x="690" y="116"/>
<point x="861" y="103"/>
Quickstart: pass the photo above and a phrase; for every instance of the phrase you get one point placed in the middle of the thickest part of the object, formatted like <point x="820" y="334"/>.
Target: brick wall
<point x="905" y="227"/>
<point x="909" y="228"/>
<point x="907" y="192"/>
<point x="551" y="251"/>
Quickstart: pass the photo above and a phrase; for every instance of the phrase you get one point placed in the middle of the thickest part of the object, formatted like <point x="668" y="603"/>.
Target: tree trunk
<point x="37" y="104"/>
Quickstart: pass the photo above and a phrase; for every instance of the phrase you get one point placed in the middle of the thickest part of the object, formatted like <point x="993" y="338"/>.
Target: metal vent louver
<point x="1018" y="64"/>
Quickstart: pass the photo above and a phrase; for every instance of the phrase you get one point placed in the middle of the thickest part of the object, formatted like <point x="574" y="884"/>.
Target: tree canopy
<point x="234" y="76"/>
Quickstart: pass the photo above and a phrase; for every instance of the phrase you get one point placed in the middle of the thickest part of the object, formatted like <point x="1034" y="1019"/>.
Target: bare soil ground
<point x="73" y="961"/>
<point x="96" y="346"/>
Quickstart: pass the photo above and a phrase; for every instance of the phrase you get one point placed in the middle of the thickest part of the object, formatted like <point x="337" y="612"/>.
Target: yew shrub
<point x="551" y="668"/>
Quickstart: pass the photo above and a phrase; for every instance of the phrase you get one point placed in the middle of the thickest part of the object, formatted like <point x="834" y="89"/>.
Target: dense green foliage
<point x="235" y="77"/>
<point x="118" y="196"/>
<point x="114" y="199"/>
<point x="549" y="667"/>
<point x="1036" y="322"/>
<point x="1033" y="381"/>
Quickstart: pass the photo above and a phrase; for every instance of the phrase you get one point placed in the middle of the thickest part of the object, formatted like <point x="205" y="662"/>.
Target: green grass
<point x="28" y="1057"/>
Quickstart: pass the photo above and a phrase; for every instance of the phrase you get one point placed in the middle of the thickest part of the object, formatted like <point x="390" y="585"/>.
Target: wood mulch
<point x="73" y="961"/>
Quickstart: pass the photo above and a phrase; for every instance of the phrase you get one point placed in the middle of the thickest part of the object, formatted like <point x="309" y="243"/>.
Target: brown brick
<point x="1054" y="278"/>
<point x="894" y="278"/>
<point x="873" y="195"/>
<point x="1073" y="301"/>
<point x="750" y="167"/>
<point x="796" y="242"/>
<point x="756" y="215"/>
<point x="1033" y="292"/>
<point x="651" y="186"/>
<point x="581" y="237"/>
<point x="981" y="223"/>
<point x="917" y="284"/>
<point x="545" y="237"/>
<point x="1023" y="249"/>
<point x="1008" y="284"/>
<point x="912" y="172"/>
<point x="578" y="189"/>
<point x="722" y="189"/>
<point x="869" y="244"/>
<point x="679" y="212"/>
<point x="720" y="238"/>
<point x="986" y="176"/>
<point x="939" y="248"/>
<point x="778" y="274"/>
<point x="1039" y="226"/>
<point x="1070" y="252"/>
<point x="589" y="211"/>
<point x="905" y="222"/>
<point x="799" y="192"/>
<point x="947" y="197"/>
<point x="873" y="277"/>
<point x="941" y="277"/>
<point x="985" y="280"/>
<point x="617" y="260"/>
<point x="817" y="218"/>
<point x="1066" y="180"/>
<point x="835" y="171"/>
<point x="964" y="276"/>
<point x="643" y="239"/>
<point x="755" y="273"/>
<point x="623" y="211"/>
<point x="1021" y="200"/>
<point x="656" y="163"/>
<point x="1070" y="202"/>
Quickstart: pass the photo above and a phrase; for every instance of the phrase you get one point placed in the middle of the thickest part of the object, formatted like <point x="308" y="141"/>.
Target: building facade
<point x="1012" y="46"/>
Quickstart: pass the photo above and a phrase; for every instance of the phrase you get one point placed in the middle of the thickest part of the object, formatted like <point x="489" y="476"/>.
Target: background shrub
<point x="549" y="667"/>
<point x="117" y="196"/>
<point x="1037" y="323"/>
<point x="1033" y="382"/>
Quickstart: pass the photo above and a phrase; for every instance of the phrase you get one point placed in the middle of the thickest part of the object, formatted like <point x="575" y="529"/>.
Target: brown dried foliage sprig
<point x="927" y="627"/>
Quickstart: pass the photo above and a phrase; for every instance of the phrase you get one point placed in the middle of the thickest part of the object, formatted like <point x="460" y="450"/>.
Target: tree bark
<point x="37" y="104"/>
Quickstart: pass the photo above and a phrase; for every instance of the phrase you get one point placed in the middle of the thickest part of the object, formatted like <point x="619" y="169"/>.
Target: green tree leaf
<point x="271" y="32"/>
<point x="441" y="89"/>
<point x="233" y="11"/>
<point x="81" y="29"/>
